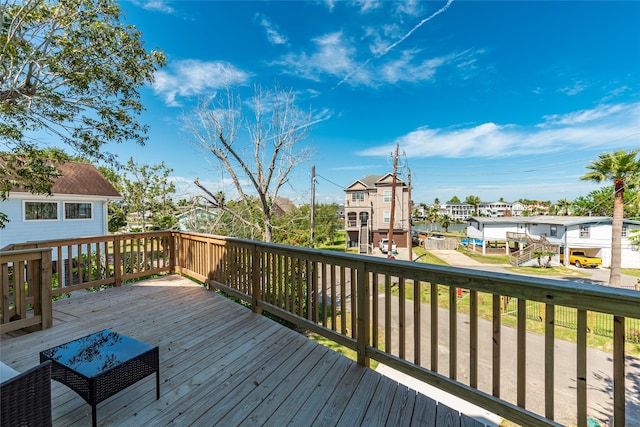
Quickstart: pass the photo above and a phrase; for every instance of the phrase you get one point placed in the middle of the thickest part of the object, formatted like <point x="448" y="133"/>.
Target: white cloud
<point x="156" y="5"/>
<point x="332" y="56"/>
<point x="575" y="88"/>
<point x="584" y="116"/>
<point x="368" y="5"/>
<point x="604" y="127"/>
<point x="273" y="32"/>
<point x="336" y="56"/>
<point x="192" y="77"/>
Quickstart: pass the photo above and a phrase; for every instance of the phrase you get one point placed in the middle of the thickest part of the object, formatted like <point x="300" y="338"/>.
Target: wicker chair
<point x="26" y="398"/>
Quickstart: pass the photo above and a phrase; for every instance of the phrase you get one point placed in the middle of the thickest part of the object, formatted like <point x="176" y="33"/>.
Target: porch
<point x="220" y="364"/>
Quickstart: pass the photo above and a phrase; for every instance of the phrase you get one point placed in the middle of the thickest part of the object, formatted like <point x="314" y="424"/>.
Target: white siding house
<point x="590" y="234"/>
<point x="77" y="208"/>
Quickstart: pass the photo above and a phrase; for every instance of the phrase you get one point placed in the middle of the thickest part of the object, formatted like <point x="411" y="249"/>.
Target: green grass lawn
<point x="631" y="271"/>
<point x="427" y="257"/>
<point x="339" y="242"/>
<point x="484" y="259"/>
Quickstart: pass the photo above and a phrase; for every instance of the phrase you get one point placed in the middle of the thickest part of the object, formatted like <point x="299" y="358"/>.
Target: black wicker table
<point x="102" y="364"/>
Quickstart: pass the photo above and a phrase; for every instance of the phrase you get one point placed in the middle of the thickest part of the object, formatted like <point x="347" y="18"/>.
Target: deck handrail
<point x="90" y="262"/>
<point x="391" y="311"/>
<point x="292" y="283"/>
<point x="25" y="280"/>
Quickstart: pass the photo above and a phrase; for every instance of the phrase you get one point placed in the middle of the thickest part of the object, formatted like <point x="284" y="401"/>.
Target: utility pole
<point x="313" y="204"/>
<point x="393" y="202"/>
<point x="410" y="235"/>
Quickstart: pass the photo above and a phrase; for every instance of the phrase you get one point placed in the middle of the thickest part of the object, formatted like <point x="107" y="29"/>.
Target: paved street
<point x="600" y="394"/>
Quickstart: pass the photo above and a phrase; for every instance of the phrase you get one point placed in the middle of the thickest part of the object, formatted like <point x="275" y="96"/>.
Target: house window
<point x="357" y="197"/>
<point x="624" y="230"/>
<point x="34" y="211"/>
<point x="386" y="217"/>
<point x="553" y="231"/>
<point x="77" y="211"/>
<point x="386" y="196"/>
<point x="584" y="231"/>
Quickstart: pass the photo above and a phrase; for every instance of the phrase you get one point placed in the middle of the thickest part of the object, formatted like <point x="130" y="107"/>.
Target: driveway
<point x="596" y="276"/>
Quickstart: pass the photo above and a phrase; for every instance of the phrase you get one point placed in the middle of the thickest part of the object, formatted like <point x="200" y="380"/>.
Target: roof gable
<point x="388" y="180"/>
<point x="368" y="181"/>
<point x="77" y="178"/>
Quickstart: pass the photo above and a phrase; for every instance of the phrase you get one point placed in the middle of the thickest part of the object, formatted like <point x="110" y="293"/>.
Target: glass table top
<point x="97" y="353"/>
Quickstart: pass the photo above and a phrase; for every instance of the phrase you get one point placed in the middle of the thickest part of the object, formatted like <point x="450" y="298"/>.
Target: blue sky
<point x="497" y="99"/>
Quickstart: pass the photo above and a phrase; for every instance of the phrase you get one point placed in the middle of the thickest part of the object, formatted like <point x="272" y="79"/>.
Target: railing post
<point x="619" y="399"/>
<point x="256" y="273"/>
<point x="172" y="251"/>
<point x="117" y="262"/>
<point x="46" y="305"/>
<point x="363" y="296"/>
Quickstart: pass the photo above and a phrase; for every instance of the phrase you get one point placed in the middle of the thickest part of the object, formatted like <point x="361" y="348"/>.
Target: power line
<point x="331" y="182"/>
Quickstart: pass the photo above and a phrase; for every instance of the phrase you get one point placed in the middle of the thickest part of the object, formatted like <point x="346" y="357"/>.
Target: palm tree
<point x="475" y="201"/>
<point x="432" y="216"/>
<point x="563" y="204"/>
<point x="445" y="222"/>
<point x="623" y="169"/>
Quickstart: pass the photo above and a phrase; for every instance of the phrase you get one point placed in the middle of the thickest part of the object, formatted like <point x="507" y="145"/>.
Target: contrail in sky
<point x="403" y="38"/>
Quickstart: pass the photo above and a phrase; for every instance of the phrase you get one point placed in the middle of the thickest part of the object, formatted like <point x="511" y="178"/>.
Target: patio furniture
<point x="100" y="365"/>
<point x="26" y="397"/>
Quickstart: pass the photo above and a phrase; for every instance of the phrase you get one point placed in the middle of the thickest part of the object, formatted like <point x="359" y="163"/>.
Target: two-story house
<point x="368" y="212"/>
<point x="590" y="234"/>
<point x="77" y="207"/>
<point x="457" y="211"/>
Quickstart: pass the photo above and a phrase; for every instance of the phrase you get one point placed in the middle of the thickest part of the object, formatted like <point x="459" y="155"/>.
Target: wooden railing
<point x="92" y="262"/>
<point x="413" y="317"/>
<point x="371" y="306"/>
<point x="25" y="280"/>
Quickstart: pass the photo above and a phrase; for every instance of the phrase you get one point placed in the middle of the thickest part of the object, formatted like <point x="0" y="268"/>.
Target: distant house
<point x="77" y="208"/>
<point x="457" y="211"/>
<point x="500" y="209"/>
<point x="282" y="205"/>
<point x="368" y="212"/>
<point x="587" y="233"/>
<point x="197" y="219"/>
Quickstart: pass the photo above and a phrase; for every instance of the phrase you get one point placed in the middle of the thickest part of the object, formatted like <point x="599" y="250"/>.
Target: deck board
<point x="220" y="364"/>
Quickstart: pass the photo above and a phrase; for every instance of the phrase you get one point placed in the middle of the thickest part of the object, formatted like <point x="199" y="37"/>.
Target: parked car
<point x="580" y="259"/>
<point x="384" y="246"/>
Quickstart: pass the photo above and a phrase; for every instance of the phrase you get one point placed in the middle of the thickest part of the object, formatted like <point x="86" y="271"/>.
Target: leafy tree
<point x="72" y="69"/>
<point x="436" y="201"/>
<point x="634" y="236"/>
<point x="293" y="228"/>
<point x="454" y="199"/>
<point x="257" y="155"/>
<point x="147" y="194"/>
<point x="623" y="168"/>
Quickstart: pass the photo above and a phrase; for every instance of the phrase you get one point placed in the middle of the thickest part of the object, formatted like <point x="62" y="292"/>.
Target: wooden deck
<point x="220" y="364"/>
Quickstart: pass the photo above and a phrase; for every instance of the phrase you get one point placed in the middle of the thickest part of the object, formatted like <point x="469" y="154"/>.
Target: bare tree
<point x="257" y="154"/>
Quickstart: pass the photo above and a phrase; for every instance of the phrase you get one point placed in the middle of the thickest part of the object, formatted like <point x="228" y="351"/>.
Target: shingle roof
<point x="80" y="179"/>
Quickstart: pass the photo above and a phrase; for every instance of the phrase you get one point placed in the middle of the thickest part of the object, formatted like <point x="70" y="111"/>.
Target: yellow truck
<point x="581" y="260"/>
